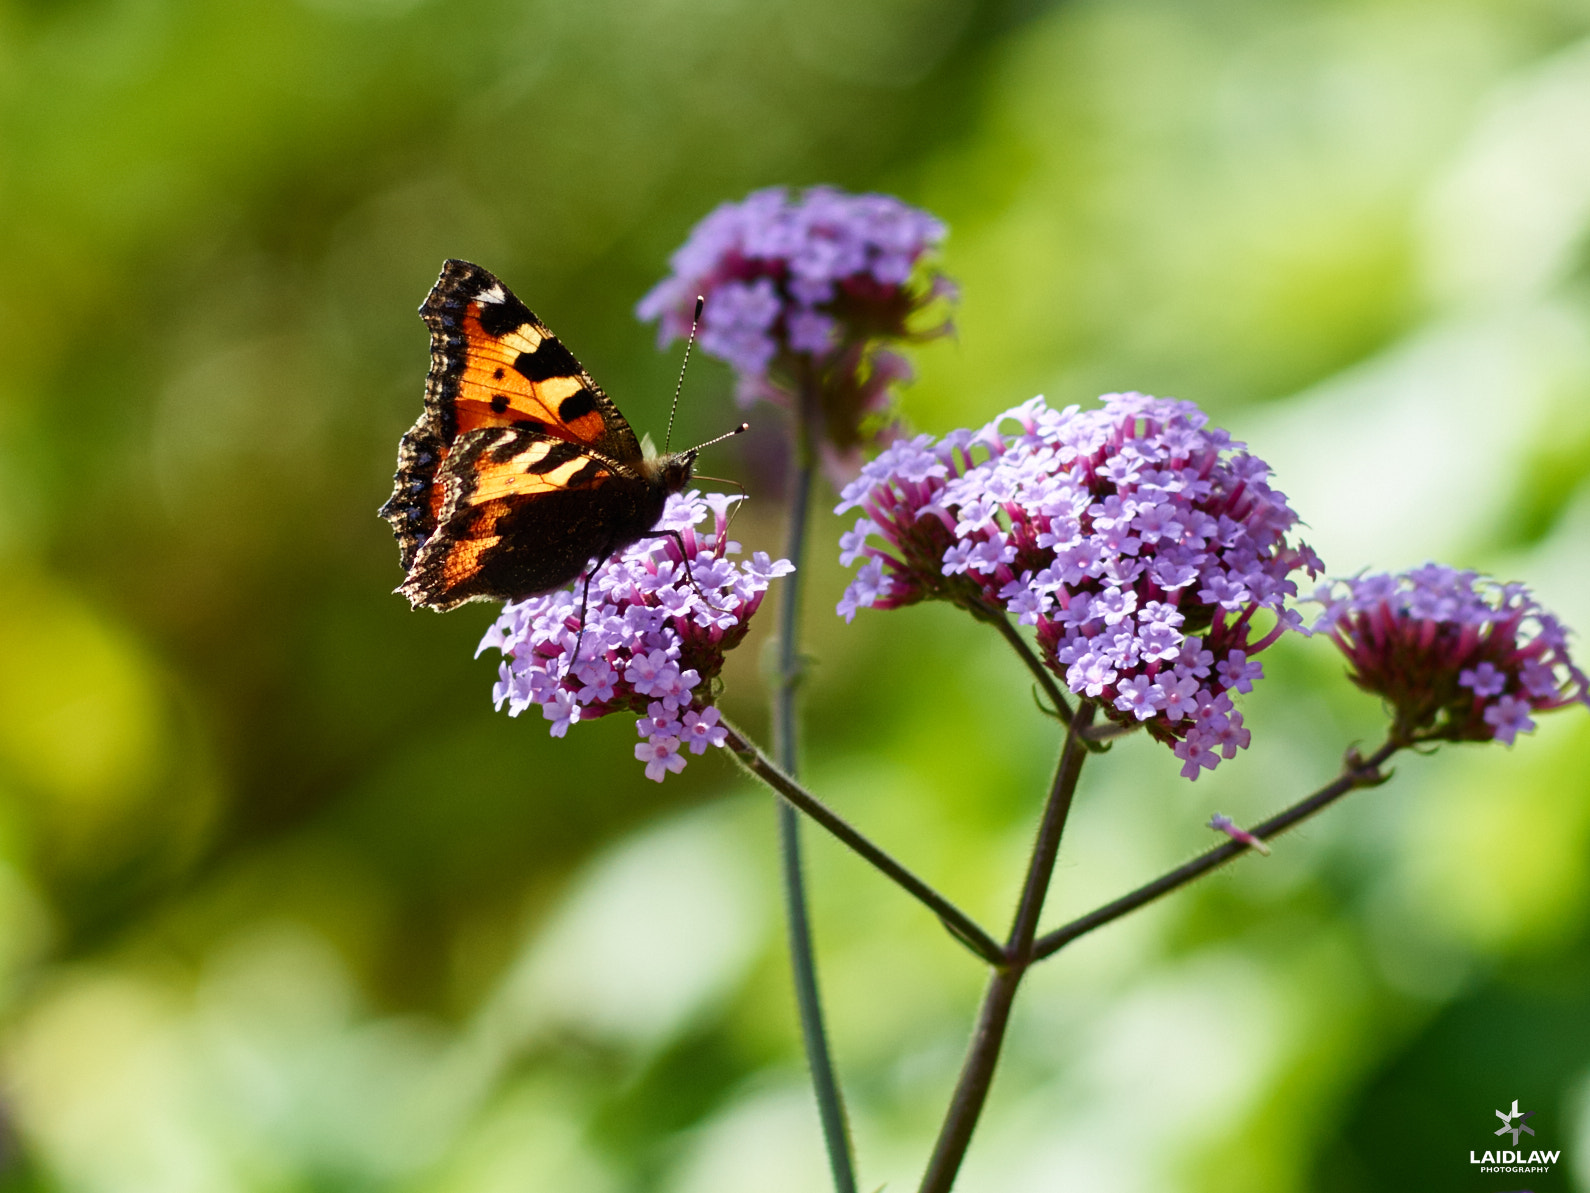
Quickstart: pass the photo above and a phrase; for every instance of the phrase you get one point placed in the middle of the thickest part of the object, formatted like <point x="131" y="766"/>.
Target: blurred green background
<point x="285" y="906"/>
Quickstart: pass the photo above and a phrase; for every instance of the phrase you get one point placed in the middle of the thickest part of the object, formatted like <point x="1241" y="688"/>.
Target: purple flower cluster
<point x="1140" y="542"/>
<point x="799" y="290"/>
<point x="1458" y="657"/>
<point x="654" y="636"/>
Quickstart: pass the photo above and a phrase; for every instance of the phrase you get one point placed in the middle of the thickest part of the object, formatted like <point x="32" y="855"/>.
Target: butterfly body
<point x="520" y="471"/>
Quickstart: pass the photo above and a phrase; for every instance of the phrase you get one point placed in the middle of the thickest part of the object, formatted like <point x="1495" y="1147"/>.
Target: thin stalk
<point x="961" y="926"/>
<point x="1034" y="664"/>
<point x="977" y="1073"/>
<point x="1097" y="742"/>
<point x="803" y="962"/>
<point x="1359" y="772"/>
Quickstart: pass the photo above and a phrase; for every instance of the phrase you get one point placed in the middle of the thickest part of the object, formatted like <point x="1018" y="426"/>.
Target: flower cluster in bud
<point x="1458" y="657"/>
<point x="654" y="636"/>
<point x="1140" y="542"/>
<point x="801" y="291"/>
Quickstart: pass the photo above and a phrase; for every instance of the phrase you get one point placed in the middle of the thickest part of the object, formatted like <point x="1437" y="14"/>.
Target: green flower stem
<point x="1000" y="622"/>
<point x="977" y="1074"/>
<point x="961" y="926"/>
<point x="803" y="962"/>
<point x="1096" y="740"/>
<point x="1358" y="772"/>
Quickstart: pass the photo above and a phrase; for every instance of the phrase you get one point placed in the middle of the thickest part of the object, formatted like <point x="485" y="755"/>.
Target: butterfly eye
<point x="677" y="470"/>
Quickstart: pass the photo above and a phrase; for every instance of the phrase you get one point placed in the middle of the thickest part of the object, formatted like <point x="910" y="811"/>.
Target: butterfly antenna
<point x="695" y="321"/>
<point x="739" y="430"/>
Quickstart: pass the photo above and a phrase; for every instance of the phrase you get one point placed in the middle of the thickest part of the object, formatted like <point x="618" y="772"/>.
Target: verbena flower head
<point x="801" y="293"/>
<point x="1457" y="656"/>
<point x="654" y="638"/>
<point x="1141" y="543"/>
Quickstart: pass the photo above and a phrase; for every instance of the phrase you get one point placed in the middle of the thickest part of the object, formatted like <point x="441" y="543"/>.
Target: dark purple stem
<point x="1359" y="772"/>
<point x="961" y="926"/>
<point x="977" y="1073"/>
<point x="1034" y="664"/>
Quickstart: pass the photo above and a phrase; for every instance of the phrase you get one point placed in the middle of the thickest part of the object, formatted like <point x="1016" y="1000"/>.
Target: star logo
<point x="1515" y="1122"/>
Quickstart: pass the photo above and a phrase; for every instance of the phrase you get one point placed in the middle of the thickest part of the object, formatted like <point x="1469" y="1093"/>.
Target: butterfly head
<point x="672" y="470"/>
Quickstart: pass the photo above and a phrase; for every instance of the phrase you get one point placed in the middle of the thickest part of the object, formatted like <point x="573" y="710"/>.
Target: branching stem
<point x="977" y="1073"/>
<point x="960" y="925"/>
<point x="1357" y="772"/>
<point x="1034" y="664"/>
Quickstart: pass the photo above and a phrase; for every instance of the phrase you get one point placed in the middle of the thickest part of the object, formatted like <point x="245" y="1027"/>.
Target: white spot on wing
<point x="495" y="294"/>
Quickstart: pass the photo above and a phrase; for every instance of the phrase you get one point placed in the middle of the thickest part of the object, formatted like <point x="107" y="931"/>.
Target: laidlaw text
<point x="1511" y="1157"/>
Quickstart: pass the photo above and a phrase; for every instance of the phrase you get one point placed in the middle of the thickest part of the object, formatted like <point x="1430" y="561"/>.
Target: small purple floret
<point x="653" y="640"/>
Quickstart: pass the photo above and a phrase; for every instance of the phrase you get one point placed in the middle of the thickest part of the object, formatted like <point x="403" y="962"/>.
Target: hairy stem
<point x="1358" y="772"/>
<point x="960" y="925"/>
<point x="977" y="1073"/>
<point x="1011" y="634"/>
<point x="803" y="962"/>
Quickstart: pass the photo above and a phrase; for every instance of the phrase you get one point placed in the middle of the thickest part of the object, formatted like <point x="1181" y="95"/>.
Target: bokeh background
<point x="284" y="905"/>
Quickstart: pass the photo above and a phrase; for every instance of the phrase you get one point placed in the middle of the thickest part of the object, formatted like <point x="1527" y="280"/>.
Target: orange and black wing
<point x="522" y="512"/>
<point x="493" y="365"/>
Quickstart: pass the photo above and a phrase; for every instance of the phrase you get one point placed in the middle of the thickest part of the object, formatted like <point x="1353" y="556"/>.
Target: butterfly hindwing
<point x="524" y="512"/>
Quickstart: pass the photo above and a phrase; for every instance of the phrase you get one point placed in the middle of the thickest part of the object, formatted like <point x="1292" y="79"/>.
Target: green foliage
<point x="285" y="906"/>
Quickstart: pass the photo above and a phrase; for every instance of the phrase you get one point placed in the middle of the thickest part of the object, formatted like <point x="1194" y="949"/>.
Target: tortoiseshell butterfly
<point x="520" y="471"/>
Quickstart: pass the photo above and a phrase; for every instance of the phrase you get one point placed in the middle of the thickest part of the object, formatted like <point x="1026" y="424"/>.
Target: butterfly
<point x="520" y="471"/>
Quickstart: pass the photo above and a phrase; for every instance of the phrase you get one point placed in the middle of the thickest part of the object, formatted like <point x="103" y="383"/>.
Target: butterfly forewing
<point x="512" y="371"/>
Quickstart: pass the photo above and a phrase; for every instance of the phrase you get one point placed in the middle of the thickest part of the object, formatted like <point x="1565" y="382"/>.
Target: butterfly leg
<point x="684" y="559"/>
<point x="585" y="598"/>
